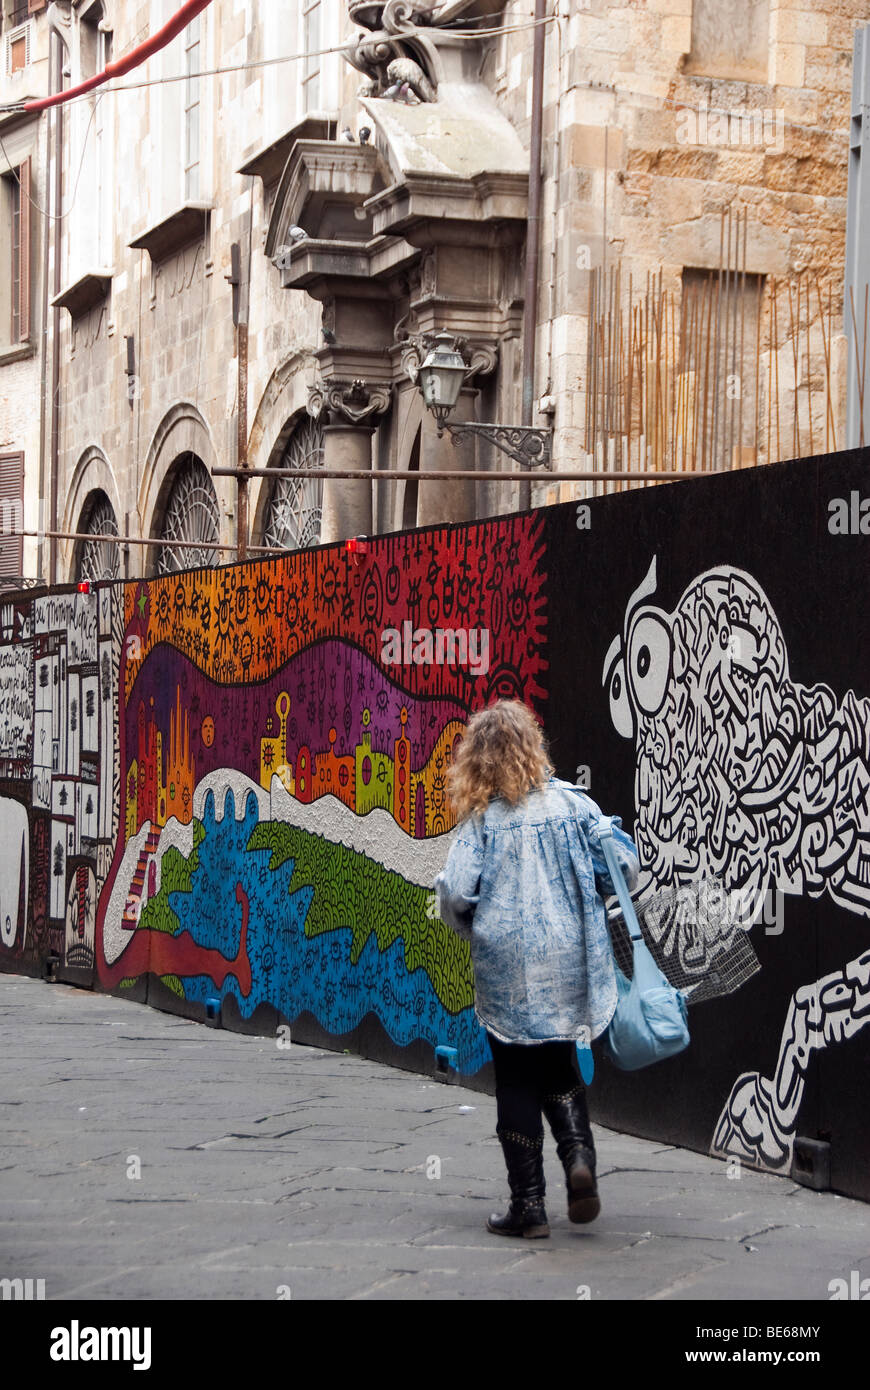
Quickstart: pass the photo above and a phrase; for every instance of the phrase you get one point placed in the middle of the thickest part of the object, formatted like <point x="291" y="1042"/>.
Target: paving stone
<point x="309" y="1172"/>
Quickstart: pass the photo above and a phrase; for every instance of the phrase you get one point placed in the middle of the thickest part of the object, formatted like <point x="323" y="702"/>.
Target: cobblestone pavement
<point x="144" y="1156"/>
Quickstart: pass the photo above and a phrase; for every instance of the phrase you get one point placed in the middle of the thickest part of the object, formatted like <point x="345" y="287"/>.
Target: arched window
<point x="291" y="520"/>
<point x="98" y="559"/>
<point x="191" y="514"/>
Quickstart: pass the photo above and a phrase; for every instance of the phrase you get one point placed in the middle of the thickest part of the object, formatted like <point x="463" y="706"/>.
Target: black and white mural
<point x="725" y="714"/>
<point x="747" y="775"/>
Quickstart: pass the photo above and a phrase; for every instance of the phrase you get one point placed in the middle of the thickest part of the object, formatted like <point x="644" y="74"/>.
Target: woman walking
<point x="523" y="883"/>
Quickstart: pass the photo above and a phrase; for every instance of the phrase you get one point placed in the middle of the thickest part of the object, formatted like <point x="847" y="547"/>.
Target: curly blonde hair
<point x="503" y="752"/>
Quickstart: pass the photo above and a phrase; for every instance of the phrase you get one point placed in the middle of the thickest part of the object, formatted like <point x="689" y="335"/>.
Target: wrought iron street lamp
<point x="441" y="375"/>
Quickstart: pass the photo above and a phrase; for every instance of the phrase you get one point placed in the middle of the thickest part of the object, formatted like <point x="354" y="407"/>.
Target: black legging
<point x="524" y="1074"/>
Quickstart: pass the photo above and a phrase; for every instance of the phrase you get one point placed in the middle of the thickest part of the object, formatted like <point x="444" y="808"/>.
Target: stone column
<point x="349" y="411"/>
<point x="445" y="501"/>
<point x="347" y="502"/>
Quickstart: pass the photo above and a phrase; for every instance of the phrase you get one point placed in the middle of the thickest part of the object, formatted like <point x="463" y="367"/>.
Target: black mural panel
<point x="843" y="648"/>
<point x="708" y="665"/>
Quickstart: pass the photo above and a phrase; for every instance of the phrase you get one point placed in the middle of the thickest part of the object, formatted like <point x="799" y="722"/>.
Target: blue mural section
<point x="296" y="972"/>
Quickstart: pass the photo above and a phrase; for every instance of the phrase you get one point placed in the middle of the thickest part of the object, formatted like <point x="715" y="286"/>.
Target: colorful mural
<point x="273" y="778"/>
<point x="230" y="783"/>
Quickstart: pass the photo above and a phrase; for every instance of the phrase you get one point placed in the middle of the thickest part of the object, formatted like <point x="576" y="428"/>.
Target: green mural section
<point x="176" y="874"/>
<point x="359" y="894"/>
<point x="352" y="892"/>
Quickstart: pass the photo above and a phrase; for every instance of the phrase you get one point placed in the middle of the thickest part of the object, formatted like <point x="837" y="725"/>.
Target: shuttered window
<point x="11" y="515"/>
<point x="15" y="12"/>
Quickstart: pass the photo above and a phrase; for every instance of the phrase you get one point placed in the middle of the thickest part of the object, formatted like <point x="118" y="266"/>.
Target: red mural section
<point x="240" y="623"/>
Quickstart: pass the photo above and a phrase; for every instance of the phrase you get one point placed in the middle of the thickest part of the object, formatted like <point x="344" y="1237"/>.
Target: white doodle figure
<point x="744" y="774"/>
<point x="81" y="912"/>
<point x="14" y="873"/>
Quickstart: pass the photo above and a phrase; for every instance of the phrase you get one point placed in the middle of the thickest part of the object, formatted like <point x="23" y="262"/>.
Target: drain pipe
<point x="533" y="236"/>
<point x="54" y="447"/>
<point x="55" y="340"/>
<point x="54" y="67"/>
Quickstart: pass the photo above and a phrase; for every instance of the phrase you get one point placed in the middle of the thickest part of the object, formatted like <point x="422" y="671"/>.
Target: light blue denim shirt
<point x="524" y="885"/>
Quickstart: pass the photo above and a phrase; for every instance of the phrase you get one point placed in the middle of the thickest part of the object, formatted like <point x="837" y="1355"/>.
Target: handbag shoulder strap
<point x="605" y="835"/>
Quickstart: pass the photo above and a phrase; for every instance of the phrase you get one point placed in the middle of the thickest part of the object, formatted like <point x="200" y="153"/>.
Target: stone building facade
<point x="23" y="174"/>
<point x="692" y="233"/>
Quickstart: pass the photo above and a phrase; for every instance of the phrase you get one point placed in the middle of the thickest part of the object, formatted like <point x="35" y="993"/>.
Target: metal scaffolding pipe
<point x="395" y="475"/>
<point x="121" y="541"/>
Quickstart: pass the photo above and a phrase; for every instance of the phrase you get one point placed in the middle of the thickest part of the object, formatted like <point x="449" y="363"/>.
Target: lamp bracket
<point x="526" y="444"/>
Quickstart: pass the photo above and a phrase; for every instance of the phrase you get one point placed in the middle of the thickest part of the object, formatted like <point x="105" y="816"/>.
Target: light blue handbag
<point x="650" y="1022"/>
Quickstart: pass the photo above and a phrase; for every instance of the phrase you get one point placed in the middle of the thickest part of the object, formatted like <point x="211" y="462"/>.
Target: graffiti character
<point x="745" y="775"/>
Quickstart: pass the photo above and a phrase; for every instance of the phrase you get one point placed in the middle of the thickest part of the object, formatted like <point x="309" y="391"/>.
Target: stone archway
<point x="97" y="559"/>
<point x="93" y="478"/>
<point x="182" y="436"/>
<point x="188" y="514"/>
<point x="290" y="510"/>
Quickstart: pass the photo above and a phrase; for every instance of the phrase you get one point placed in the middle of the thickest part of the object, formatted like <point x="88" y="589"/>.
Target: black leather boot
<point x="526" y="1215"/>
<point x="568" y="1118"/>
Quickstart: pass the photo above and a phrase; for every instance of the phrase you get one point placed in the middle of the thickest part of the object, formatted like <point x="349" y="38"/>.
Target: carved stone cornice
<point x="323" y="179"/>
<point x="339" y="402"/>
<point x="270" y="161"/>
<point x="487" y="197"/>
